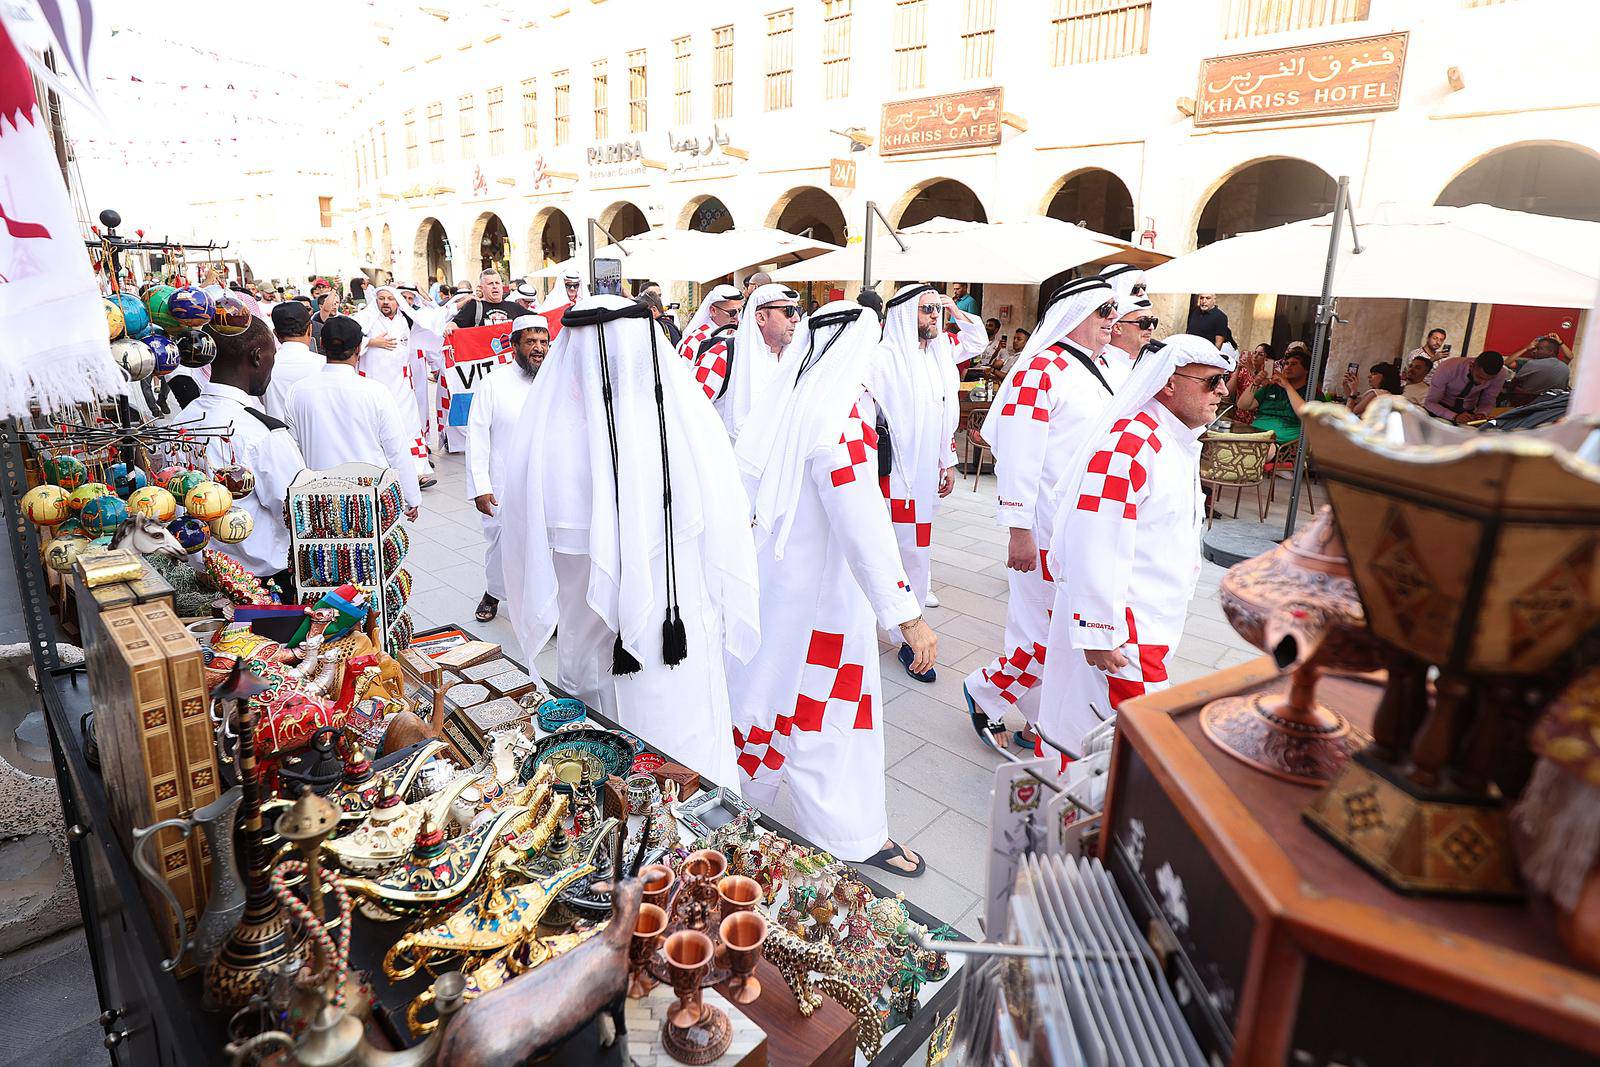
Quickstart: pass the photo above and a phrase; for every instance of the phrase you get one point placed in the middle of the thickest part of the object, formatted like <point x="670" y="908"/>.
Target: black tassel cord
<point x="622" y="661"/>
<point x="674" y="638"/>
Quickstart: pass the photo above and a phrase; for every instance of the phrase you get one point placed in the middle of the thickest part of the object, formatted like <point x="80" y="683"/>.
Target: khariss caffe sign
<point x="957" y="120"/>
<point x="1321" y="79"/>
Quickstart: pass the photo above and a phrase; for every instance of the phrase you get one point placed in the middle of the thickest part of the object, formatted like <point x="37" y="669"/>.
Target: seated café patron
<point x="1277" y="400"/>
<point x="1465" y="390"/>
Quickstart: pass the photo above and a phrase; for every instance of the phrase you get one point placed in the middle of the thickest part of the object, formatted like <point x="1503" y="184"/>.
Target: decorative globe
<point x="135" y="316"/>
<point x="233" y="527"/>
<point x="86" y="492"/>
<point x="195" y="349"/>
<point x="165" y="351"/>
<point x="102" y="515"/>
<point x="180" y="486"/>
<point x="190" y="306"/>
<point x="60" y="553"/>
<point x="164" y="476"/>
<point x="155" y="502"/>
<point x="46" y="505"/>
<point x="208" y="501"/>
<point x="126" y="479"/>
<point x="240" y="481"/>
<point x="115" y="326"/>
<point x="66" y="471"/>
<point x="134" y="357"/>
<point x="70" y="528"/>
<point x="156" y="302"/>
<point x="191" y="533"/>
<point x="230" y="316"/>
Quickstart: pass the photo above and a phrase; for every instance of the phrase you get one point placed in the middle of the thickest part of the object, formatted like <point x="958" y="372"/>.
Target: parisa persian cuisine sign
<point x="1321" y="79"/>
<point x="930" y="123"/>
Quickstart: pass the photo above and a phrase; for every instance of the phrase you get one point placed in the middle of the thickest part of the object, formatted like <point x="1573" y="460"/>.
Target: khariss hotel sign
<point x="1322" y="79"/>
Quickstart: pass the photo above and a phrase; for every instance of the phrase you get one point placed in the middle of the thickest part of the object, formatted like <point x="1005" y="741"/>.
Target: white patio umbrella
<point x="1477" y="254"/>
<point x="1024" y="252"/>
<point x="692" y="256"/>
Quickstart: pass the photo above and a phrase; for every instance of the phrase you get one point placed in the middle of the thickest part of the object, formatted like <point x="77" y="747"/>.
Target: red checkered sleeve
<point x="711" y="369"/>
<point x="1101" y="528"/>
<point x="691" y="342"/>
<point x="1023" y="435"/>
<point x="846" y="480"/>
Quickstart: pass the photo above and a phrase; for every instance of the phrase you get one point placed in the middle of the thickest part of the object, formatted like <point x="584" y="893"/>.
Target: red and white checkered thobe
<point x="392" y="369"/>
<point x="1041" y="421"/>
<point x="689" y="347"/>
<point x="807" y="708"/>
<point x="1134" y="527"/>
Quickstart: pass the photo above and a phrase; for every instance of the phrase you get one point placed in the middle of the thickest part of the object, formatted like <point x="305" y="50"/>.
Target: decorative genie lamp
<point x="1476" y="556"/>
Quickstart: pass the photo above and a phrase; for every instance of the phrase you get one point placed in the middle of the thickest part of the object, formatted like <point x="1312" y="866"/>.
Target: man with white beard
<point x="735" y="368"/>
<point x="386" y="358"/>
<point x="918" y="389"/>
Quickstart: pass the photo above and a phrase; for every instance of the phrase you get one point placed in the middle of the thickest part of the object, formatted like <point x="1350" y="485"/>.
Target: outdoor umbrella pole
<point x="1319" y="347"/>
<point x="866" y="243"/>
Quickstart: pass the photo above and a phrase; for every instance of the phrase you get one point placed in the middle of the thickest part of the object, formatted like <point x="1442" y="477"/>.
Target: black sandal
<point x="488" y="608"/>
<point x="896" y="851"/>
<point x="989" y="732"/>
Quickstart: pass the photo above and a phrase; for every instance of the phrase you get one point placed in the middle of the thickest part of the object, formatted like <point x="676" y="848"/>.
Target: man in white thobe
<point x="637" y="541"/>
<point x="1136" y="321"/>
<point x="337" y="416"/>
<point x="719" y="308"/>
<point x="428" y="322"/>
<point x="916" y="384"/>
<point x="496" y="404"/>
<point x="808" y="708"/>
<point x="386" y="358"/>
<point x="1125" y="546"/>
<point x="1058" y="384"/>
<point x="736" y="367"/>
<point x="291" y="322"/>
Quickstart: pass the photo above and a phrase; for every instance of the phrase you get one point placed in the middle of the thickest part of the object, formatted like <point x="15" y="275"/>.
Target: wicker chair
<point x="976" y="445"/>
<point x="1233" y="461"/>
<point x="1282" y="468"/>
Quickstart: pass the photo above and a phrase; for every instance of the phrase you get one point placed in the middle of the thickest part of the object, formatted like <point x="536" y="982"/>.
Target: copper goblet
<point x="743" y="934"/>
<point x="658" y="881"/>
<point x="688" y="955"/>
<point x="705" y="863"/>
<point x="737" y="894"/>
<point x="647" y="931"/>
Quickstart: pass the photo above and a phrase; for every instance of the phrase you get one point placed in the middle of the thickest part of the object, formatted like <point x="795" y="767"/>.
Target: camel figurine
<point x="192" y="592"/>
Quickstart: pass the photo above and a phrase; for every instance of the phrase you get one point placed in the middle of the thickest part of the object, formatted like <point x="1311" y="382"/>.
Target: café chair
<point x="1234" y="461"/>
<point x="976" y="445"/>
<point x="1281" y="467"/>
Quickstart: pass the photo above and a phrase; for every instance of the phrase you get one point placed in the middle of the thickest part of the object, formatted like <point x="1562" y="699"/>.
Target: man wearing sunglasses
<point x="1126" y="540"/>
<point x="720" y="308"/>
<point x="734" y="368"/>
<point x="917" y="386"/>
<point x="1059" y="383"/>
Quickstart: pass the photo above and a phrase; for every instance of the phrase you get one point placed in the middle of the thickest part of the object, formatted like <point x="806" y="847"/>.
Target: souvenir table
<point x="155" y="1018"/>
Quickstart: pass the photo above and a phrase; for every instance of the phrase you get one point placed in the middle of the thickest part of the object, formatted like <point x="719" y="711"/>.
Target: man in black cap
<point x="292" y="323"/>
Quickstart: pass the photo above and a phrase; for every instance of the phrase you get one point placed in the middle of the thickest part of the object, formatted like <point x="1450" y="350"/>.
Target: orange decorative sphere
<point x="155" y="502"/>
<point x="208" y="500"/>
<point x="46" y="505"/>
<point x="233" y="527"/>
<point x="85" y="493"/>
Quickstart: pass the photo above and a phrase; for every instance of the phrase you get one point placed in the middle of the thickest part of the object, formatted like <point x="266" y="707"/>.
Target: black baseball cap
<point x="291" y="318"/>
<point x="341" y="337"/>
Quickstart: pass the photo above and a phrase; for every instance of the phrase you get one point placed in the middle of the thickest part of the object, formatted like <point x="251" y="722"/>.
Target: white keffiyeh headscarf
<point x="628" y="467"/>
<point x="905" y="375"/>
<point x="1068" y="307"/>
<point x="753" y="366"/>
<point x="802" y="413"/>
<point x="702" y="315"/>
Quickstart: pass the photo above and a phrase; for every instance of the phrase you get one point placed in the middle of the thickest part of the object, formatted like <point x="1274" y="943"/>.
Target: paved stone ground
<point x="939" y="773"/>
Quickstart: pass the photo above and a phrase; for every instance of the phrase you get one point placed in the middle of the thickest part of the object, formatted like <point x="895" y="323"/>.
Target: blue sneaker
<point x="906" y="656"/>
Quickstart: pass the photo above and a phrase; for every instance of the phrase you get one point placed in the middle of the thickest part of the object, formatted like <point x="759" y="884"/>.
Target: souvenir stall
<point x="1376" y="844"/>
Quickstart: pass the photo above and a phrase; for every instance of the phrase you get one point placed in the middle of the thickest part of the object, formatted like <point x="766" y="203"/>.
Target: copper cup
<point x="705" y="863"/>
<point x="647" y="931"/>
<point x="658" y="880"/>
<point x="743" y="933"/>
<point x="688" y="955"/>
<point x="737" y="894"/>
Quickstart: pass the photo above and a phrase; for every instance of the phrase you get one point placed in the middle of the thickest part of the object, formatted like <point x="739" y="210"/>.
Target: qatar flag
<point x="56" y="350"/>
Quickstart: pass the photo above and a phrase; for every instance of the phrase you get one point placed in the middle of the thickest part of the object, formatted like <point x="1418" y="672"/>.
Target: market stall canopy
<point x="1475" y="254"/>
<point x="692" y="256"/>
<point x="1022" y="252"/>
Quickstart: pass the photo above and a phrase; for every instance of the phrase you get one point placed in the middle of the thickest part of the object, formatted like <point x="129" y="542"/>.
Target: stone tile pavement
<point x="939" y="775"/>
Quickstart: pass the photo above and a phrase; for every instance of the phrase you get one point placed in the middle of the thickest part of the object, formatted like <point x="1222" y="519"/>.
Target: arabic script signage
<point x="698" y="151"/>
<point x="927" y="124"/>
<point x="1322" y="79"/>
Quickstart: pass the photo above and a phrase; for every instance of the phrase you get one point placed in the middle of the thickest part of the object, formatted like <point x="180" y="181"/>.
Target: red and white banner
<point x="470" y="355"/>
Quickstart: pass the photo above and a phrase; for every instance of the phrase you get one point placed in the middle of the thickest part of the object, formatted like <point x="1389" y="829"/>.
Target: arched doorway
<point x="432" y="252"/>
<point x="706" y="214"/>
<point x="810" y="211"/>
<point x="940" y="198"/>
<point x="552" y="237"/>
<point x="623" y="220"/>
<point x="386" y="251"/>
<point x="1545" y="179"/>
<point x="366" y="249"/>
<point x="1256" y="196"/>
<point x="1094" y="198"/>
<point x="492" y="244"/>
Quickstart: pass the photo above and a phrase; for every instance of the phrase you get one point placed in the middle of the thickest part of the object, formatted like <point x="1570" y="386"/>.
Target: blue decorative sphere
<point x="196" y="348"/>
<point x="191" y="533"/>
<point x="126" y="480"/>
<point x="135" y="316"/>
<point x="190" y="307"/>
<point x="166" y="352"/>
<point x="102" y="515"/>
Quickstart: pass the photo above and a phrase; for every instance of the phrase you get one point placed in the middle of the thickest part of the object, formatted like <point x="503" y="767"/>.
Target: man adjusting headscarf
<point x="636" y="542"/>
<point x="428" y="324"/>
<point x="915" y="382"/>
<point x="735" y="368"/>
<point x="720" y="308"/>
<point x="386" y="358"/>
<point x="808" y="708"/>
<point x="1125" y="546"/>
<point x="1057" y="385"/>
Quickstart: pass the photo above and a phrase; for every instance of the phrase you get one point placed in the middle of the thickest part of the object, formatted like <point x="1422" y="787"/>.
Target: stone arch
<point x="431" y="252"/>
<point x="1094" y="196"/>
<point x="623" y="219"/>
<point x="490" y="245"/>
<point x="808" y="207"/>
<point x="707" y="214"/>
<point x="551" y="238"/>
<point x="939" y="196"/>
<point x="1543" y="177"/>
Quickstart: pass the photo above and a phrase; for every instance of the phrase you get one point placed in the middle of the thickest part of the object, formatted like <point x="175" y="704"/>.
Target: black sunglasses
<point x="789" y="311"/>
<point x="929" y="309"/>
<point x="1210" y="381"/>
<point x="1108" y="310"/>
<point x="1144" y="322"/>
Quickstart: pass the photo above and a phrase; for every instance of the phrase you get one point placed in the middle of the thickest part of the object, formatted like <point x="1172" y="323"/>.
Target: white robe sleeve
<point x="480" y="419"/>
<point x="1019" y="447"/>
<point x="277" y="461"/>
<point x="396" y="448"/>
<point x="1101" y="524"/>
<point x="847" y="481"/>
<point x="971" y="338"/>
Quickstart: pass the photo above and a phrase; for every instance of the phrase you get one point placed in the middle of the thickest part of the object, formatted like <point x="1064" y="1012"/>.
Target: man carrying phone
<point x="1433" y="348"/>
<point x="491" y="305"/>
<point x="1278" y="400"/>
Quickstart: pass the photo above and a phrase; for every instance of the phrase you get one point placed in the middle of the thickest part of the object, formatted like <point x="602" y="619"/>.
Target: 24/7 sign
<point x="842" y="173"/>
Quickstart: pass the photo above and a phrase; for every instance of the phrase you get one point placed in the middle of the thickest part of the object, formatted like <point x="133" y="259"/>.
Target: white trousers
<point x="1014" y="678"/>
<point x="494" y="568"/>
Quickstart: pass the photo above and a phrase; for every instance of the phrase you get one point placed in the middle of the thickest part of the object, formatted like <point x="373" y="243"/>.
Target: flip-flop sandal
<point x="896" y="851"/>
<point x="989" y="731"/>
<point x="1025" y="740"/>
<point x="488" y="608"/>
